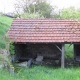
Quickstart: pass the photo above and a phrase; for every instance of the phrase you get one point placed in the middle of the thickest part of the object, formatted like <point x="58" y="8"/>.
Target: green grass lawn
<point x="42" y="73"/>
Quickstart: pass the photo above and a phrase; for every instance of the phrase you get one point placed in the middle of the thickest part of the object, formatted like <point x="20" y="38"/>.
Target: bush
<point x="12" y="48"/>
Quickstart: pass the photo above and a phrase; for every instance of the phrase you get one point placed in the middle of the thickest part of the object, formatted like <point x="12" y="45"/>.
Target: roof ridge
<point x="44" y="19"/>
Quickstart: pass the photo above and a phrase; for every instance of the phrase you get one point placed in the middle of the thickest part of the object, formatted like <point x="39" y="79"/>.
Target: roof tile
<point x="44" y="30"/>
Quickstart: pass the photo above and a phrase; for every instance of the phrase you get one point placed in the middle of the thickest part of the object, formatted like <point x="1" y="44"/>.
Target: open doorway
<point x="50" y="52"/>
<point x="77" y="52"/>
<point x="69" y="53"/>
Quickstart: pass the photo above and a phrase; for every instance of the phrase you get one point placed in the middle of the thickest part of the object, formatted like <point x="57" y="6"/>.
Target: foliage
<point x="31" y="15"/>
<point x="68" y="51"/>
<point x="12" y="48"/>
<point x="68" y="13"/>
<point x="40" y="7"/>
<point x="42" y="73"/>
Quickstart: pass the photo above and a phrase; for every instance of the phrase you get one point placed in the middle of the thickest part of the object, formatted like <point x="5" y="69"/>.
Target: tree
<point x="68" y="13"/>
<point x="40" y="7"/>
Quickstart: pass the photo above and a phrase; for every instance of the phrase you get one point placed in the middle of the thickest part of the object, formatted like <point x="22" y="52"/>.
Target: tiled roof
<point x="44" y="30"/>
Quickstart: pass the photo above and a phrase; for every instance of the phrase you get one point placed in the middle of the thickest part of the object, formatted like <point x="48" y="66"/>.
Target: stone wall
<point x="46" y="50"/>
<point x="4" y="58"/>
<point x="3" y="51"/>
<point x="32" y="50"/>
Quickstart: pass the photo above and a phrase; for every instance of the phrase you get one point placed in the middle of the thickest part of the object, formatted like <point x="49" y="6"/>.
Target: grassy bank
<point x="5" y="23"/>
<point x="42" y="73"/>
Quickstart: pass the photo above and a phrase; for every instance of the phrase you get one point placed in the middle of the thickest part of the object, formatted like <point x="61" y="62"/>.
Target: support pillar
<point x="74" y="53"/>
<point x="62" y="57"/>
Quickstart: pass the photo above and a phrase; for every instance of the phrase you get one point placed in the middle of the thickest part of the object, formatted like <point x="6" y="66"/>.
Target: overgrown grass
<point x="42" y="73"/>
<point x="5" y="23"/>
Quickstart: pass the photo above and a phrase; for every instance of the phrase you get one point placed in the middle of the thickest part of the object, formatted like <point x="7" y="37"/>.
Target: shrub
<point x="12" y="48"/>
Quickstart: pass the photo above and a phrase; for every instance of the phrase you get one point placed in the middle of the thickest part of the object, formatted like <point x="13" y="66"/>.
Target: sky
<point x="65" y="3"/>
<point x="7" y="6"/>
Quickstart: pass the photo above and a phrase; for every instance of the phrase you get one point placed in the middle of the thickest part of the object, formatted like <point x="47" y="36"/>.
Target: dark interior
<point x="77" y="52"/>
<point x="77" y="49"/>
<point x="32" y="50"/>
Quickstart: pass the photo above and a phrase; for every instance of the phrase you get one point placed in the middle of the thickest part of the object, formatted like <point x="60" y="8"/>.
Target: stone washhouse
<point x="45" y="37"/>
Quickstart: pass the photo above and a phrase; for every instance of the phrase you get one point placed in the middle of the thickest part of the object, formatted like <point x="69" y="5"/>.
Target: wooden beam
<point x="58" y="47"/>
<point x="62" y="57"/>
<point x="74" y="52"/>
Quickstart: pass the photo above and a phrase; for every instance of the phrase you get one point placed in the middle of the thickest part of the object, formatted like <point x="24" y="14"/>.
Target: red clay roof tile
<point x="44" y="30"/>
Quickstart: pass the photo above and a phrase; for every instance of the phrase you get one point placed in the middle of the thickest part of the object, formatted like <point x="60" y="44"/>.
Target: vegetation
<point x="38" y="7"/>
<point x="5" y="23"/>
<point x="12" y="48"/>
<point x="31" y="15"/>
<point x="4" y="26"/>
<point x="69" y="51"/>
<point x="68" y="13"/>
<point x="41" y="9"/>
<point x="42" y="73"/>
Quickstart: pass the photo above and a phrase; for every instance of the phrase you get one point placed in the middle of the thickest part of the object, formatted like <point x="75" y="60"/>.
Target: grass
<point x="42" y="73"/>
<point x="68" y="51"/>
<point x="5" y="23"/>
<point x="6" y="20"/>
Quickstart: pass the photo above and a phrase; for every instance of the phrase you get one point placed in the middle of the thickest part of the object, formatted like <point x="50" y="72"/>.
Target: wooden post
<point x="74" y="53"/>
<point x="62" y="56"/>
